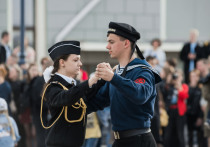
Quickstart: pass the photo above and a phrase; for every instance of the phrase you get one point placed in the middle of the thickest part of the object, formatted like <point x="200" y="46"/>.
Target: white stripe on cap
<point x="63" y="45"/>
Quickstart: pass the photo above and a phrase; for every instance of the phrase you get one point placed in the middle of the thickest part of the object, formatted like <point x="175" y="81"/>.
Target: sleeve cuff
<point x="115" y="80"/>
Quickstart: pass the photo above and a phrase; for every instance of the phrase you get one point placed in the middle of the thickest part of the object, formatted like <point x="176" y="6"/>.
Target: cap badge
<point x="112" y="30"/>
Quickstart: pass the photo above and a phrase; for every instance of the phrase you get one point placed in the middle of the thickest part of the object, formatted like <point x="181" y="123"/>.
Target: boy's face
<point x="115" y="46"/>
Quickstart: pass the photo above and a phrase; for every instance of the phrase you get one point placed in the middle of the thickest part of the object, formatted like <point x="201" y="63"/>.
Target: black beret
<point x="124" y="30"/>
<point x="64" y="48"/>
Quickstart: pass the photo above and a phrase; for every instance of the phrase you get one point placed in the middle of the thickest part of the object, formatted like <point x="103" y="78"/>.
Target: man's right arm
<point x="100" y="100"/>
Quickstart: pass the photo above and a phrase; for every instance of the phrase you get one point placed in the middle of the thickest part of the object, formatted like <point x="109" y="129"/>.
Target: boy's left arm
<point x="138" y="90"/>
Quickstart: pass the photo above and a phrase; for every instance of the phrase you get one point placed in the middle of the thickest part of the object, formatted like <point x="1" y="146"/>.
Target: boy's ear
<point x="127" y="43"/>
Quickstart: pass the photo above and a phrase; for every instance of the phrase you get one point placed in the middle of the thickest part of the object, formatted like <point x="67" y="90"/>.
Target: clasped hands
<point x="191" y="56"/>
<point x="103" y="71"/>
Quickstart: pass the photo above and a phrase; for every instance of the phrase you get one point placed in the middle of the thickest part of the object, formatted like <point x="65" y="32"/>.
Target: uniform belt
<point x="129" y="133"/>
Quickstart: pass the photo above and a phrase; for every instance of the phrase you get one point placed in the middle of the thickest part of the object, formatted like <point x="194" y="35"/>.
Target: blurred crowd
<point x="182" y="104"/>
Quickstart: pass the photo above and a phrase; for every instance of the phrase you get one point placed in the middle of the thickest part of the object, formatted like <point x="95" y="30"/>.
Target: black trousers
<point x="202" y="141"/>
<point x="144" y="140"/>
<point x="155" y="128"/>
<point x="40" y="132"/>
<point x="174" y="132"/>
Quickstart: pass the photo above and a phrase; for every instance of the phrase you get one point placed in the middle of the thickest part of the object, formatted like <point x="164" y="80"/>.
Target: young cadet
<point x="130" y="90"/>
<point x="65" y="97"/>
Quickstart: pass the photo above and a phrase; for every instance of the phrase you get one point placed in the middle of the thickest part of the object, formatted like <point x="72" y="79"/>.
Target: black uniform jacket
<point x="2" y="54"/>
<point x="184" y="57"/>
<point x="193" y="103"/>
<point x="63" y="133"/>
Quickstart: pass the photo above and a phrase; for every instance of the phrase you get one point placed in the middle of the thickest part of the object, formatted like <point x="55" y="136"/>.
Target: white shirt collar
<point x="68" y="79"/>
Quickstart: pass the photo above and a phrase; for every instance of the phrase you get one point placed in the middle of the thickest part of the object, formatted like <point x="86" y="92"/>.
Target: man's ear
<point x="127" y="43"/>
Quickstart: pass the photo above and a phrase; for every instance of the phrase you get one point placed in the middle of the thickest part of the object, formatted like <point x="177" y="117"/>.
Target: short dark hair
<point x="44" y="59"/>
<point x="3" y="34"/>
<point x="149" y="58"/>
<point x="123" y="39"/>
<point x="131" y="42"/>
<point x="172" y="62"/>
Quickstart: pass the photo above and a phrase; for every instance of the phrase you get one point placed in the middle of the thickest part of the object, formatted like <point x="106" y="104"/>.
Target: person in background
<point x="152" y="61"/>
<point x="163" y="120"/>
<point x="155" y="122"/>
<point x="162" y="87"/>
<point x="2" y="54"/>
<point x="157" y="53"/>
<point x="12" y="60"/>
<point x="26" y="105"/>
<point x="45" y="62"/>
<point x="5" y="88"/>
<point x="171" y="64"/>
<point x="35" y="99"/>
<point x="190" y="54"/>
<point x="9" y="135"/>
<point x="203" y="67"/>
<point x="176" y="94"/>
<point x="15" y="78"/>
<point x="5" y="38"/>
<point x="29" y="53"/>
<point x="194" y="112"/>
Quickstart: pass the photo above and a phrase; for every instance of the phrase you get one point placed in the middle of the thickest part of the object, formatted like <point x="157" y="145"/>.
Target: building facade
<point x="50" y="21"/>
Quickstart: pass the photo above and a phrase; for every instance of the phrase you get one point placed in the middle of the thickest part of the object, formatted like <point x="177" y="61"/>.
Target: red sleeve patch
<point x="140" y="80"/>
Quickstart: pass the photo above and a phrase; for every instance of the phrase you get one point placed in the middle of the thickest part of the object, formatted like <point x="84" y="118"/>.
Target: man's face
<point x="115" y="46"/>
<point x="6" y="39"/>
<point x="193" y="37"/>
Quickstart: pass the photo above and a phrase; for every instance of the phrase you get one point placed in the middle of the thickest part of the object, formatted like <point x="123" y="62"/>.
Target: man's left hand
<point x="104" y="72"/>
